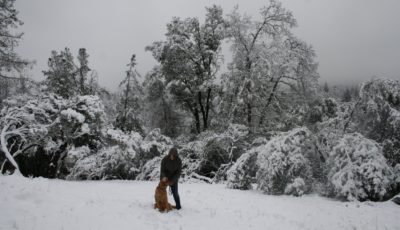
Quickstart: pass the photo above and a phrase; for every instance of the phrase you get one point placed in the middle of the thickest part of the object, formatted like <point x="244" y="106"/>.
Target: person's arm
<point x="162" y="170"/>
<point x="177" y="174"/>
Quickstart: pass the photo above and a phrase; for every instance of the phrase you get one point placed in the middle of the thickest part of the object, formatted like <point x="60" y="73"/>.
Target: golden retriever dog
<point x="161" y="198"/>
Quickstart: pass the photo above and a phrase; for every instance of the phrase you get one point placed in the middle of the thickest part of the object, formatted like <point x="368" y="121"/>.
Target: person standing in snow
<point x="171" y="167"/>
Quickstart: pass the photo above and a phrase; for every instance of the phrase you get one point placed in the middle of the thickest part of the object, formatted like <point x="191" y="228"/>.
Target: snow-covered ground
<point x="55" y="204"/>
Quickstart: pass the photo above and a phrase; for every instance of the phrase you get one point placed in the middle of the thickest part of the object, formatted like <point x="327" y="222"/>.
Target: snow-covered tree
<point x="358" y="170"/>
<point x="190" y="59"/>
<point x="86" y="78"/>
<point x="130" y="104"/>
<point x="160" y="109"/>
<point x="61" y="76"/>
<point x="10" y="61"/>
<point x="377" y="115"/>
<point x="13" y="78"/>
<point x="66" y="78"/>
<point x="326" y="87"/>
<point x="347" y="95"/>
<point x="266" y="59"/>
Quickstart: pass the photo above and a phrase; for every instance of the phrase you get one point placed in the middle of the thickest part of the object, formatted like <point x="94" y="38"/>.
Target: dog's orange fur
<point x="161" y="198"/>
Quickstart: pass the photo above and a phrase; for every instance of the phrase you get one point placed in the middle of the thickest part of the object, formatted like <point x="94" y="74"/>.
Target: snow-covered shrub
<point x="215" y="154"/>
<point x="82" y="119"/>
<point x="285" y="164"/>
<point x="221" y="150"/>
<point x="155" y="135"/>
<point x="358" y="170"/>
<point x="153" y="145"/>
<point x="297" y="187"/>
<point x="320" y="110"/>
<point x="378" y="115"/>
<point x="155" y="138"/>
<point x="236" y="131"/>
<point x="391" y="151"/>
<point x="109" y="163"/>
<point x="151" y="170"/>
<point x="130" y="140"/>
<point x="53" y="124"/>
<point x="330" y="131"/>
<point x="241" y="175"/>
<point x="387" y="90"/>
<point x="211" y="154"/>
<point x="396" y="171"/>
<point x="283" y="159"/>
<point x="75" y="154"/>
<point x="191" y="157"/>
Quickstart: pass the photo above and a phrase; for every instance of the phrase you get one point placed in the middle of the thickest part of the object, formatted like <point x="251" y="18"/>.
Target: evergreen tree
<point x="12" y="66"/>
<point x="66" y="78"/>
<point x="61" y="75"/>
<point x="347" y="95"/>
<point x="129" y="106"/>
<point x="9" y="59"/>
<point x="83" y="71"/>
<point x="326" y="87"/>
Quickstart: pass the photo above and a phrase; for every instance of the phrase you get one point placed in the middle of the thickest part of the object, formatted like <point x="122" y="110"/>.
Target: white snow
<point x="56" y="204"/>
<point x="70" y="113"/>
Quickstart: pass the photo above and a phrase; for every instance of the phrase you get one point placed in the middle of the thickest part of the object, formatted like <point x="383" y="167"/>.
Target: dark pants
<point x="174" y="190"/>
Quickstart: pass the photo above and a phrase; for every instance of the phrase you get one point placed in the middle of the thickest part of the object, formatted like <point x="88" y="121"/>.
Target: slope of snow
<point x="55" y="204"/>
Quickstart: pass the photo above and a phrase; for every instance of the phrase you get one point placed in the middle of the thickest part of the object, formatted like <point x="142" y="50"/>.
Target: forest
<point x="265" y="123"/>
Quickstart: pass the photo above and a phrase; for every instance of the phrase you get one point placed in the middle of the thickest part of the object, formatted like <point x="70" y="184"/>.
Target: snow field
<point x="56" y="204"/>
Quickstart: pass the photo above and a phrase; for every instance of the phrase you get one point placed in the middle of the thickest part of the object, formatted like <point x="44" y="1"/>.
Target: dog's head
<point x="163" y="184"/>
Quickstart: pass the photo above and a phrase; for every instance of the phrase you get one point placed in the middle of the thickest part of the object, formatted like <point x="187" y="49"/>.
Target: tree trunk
<point x="82" y="82"/>
<point x="207" y="108"/>
<point x="272" y="94"/>
<point x="204" y="111"/>
<point x="249" y="107"/>
<point x="3" y="143"/>
<point x="197" y="119"/>
<point x="125" y="102"/>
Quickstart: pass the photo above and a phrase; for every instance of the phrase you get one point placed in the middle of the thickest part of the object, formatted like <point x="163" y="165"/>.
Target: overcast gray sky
<point x="354" y="39"/>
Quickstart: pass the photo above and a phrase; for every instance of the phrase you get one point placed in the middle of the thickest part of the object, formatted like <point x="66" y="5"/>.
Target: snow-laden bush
<point x="330" y="131"/>
<point x="215" y="153"/>
<point x="241" y="175"/>
<point x="211" y="154"/>
<point x="283" y="159"/>
<point x="387" y="90"/>
<point x="296" y="188"/>
<point x="75" y="154"/>
<point x="221" y="150"/>
<point x="151" y="170"/>
<point x="153" y="146"/>
<point x="278" y="166"/>
<point x="130" y="140"/>
<point x="396" y="174"/>
<point x="156" y="139"/>
<point x="236" y="131"/>
<point x="191" y="157"/>
<point x="52" y="125"/>
<point x="320" y="110"/>
<point x="109" y="163"/>
<point x="80" y="122"/>
<point x="358" y="170"/>
<point x="378" y="115"/>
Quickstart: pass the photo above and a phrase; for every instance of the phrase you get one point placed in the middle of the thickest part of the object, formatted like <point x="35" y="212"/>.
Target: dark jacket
<point x="171" y="169"/>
